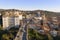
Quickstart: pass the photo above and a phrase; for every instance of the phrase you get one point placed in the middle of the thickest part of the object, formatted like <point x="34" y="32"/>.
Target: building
<point x="5" y="22"/>
<point x="11" y="19"/>
<point x="54" y="20"/>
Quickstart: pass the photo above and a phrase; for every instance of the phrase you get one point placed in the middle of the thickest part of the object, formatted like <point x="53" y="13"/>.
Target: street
<point x="22" y="33"/>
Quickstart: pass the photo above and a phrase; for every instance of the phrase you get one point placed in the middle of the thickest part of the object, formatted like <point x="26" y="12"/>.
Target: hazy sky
<point x="50" y="5"/>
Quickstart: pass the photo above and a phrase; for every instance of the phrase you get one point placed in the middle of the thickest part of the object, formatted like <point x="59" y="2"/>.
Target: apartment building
<point x="11" y="19"/>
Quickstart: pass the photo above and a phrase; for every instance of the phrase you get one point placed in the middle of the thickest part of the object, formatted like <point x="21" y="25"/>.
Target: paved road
<point x="22" y="33"/>
<point x="19" y="34"/>
<point x="24" y="36"/>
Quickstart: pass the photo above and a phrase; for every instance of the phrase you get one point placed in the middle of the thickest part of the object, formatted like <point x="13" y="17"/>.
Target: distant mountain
<point x="48" y="13"/>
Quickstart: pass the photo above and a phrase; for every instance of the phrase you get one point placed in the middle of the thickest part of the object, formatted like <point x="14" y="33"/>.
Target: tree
<point x="34" y="35"/>
<point x="5" y="37"/>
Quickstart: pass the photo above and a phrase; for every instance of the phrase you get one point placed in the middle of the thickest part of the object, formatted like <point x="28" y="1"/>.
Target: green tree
<point x="34" y="35"/>
<point x="5" y="37"/>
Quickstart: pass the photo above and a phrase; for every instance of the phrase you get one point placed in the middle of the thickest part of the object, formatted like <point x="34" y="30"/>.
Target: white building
<point x="5" y="22"/>
<point x="11" y="21"/>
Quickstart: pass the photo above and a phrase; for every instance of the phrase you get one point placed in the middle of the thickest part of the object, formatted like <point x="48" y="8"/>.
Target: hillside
<point x="48" y="13"/>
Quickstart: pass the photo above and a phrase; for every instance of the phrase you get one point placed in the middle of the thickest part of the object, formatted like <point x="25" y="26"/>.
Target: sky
<point x="49" y="5"/>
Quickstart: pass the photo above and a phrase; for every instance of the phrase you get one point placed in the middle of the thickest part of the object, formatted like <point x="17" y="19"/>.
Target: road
<point x="22" y="33"/>
<point x="19" y="34"/>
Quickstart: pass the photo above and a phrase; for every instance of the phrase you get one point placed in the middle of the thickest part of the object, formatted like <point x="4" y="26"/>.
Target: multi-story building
<point x="11" y="19"/>
<point x="5" y="22"/>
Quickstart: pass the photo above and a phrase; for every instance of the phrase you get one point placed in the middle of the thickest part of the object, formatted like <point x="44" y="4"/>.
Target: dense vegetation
<point x="34" y="35"/>
<point x="8" y="34"/>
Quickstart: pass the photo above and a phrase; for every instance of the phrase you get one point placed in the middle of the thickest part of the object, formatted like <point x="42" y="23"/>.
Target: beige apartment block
<point x="5" y="22"/>
<point x="11" y="19"/>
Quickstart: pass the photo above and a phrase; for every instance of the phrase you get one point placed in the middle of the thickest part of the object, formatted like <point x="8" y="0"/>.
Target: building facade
<point x="5" y="22"/>
<point x="11" y="20"/>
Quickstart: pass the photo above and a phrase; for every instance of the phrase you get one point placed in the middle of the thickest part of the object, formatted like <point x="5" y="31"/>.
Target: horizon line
<point x="29" y="9"/>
